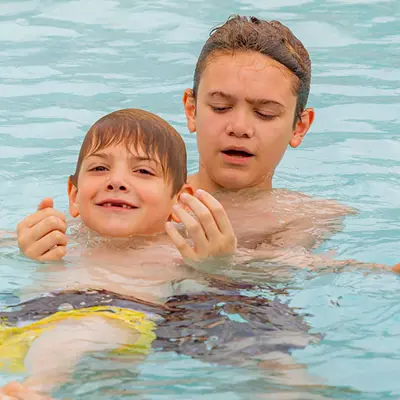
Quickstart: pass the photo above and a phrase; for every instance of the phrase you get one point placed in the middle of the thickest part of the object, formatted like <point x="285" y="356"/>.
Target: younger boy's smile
<point x="117" y="204"/>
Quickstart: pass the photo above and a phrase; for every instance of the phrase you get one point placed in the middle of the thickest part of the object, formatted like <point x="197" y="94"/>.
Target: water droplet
<point x="65" y="307"/>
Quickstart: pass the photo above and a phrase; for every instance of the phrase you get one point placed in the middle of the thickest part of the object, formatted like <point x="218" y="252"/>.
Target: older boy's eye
<point x="220" y="109"/>
<point x="267" y="117"/>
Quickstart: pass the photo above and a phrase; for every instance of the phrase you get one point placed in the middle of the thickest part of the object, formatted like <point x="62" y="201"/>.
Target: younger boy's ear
<point x="185" y="189"/>
<point x="189" y="104"/>
<point x="302" y="127"/>
<point x="72" y="195"/>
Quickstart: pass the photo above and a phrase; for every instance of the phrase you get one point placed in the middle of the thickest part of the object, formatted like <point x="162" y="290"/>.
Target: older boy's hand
<point x="41" y="236"/>
<point x="209" y="227"/>
<point x="16" y="391"/>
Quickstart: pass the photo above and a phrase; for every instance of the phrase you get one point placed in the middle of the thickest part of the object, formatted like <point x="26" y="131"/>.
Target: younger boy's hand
<point x="41" y="236"/>
<point x="209" y="227"/>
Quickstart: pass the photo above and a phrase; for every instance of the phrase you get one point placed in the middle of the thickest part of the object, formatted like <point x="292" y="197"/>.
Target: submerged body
<point x="224" y="327"/>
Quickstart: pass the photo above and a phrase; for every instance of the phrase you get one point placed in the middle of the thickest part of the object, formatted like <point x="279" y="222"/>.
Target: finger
<point x="38" y="216"/>
<point x="46" y="203"/>
<point x="217" y="210"/>
<point x="55" y="254"/>
<point x="44" y="227"/>
<point x="179" y="241"/>
<point x="45" y="244"/>
<point x="194" y="229"/>
<point x="204" y="216"/>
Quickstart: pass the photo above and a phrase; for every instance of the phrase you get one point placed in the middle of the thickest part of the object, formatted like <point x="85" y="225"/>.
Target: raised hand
<point x="41" y="236"/>
<point x="207" y="225"/>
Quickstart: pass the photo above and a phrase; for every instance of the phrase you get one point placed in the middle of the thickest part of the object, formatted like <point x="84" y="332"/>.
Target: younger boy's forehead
<point x="136" y="153"/>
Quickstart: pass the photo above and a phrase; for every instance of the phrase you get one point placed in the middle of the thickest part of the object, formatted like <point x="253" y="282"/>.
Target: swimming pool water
<point x="66" y="63"/>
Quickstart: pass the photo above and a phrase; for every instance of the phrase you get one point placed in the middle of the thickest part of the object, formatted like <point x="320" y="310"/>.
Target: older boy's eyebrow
<point x="258" y="102"/>
<point x="265" y="102"/>
<point x="219" y="93"/>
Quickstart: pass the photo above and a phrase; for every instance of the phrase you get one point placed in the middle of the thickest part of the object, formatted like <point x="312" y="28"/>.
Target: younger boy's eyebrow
<point x="258" y="102"/>
<point x="135" y="157"/>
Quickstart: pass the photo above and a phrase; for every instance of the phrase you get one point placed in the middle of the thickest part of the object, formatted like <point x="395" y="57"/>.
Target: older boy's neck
<point x="203" y="181"/>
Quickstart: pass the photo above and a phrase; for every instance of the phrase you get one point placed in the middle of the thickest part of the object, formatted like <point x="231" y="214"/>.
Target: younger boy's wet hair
<point x="138" y="129"/>
<point x="271" y="38"/>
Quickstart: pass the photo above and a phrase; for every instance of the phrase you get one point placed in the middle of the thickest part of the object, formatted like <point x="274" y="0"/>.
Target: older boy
<point x="248" y="103"/>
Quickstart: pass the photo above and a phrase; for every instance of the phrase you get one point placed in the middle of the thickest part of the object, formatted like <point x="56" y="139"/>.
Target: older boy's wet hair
<point x="270" y="38"/>
<point x="138" y="129"/>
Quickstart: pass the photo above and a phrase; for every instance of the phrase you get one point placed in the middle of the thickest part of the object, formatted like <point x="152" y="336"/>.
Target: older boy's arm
<point x="319" y="220"/>
<point x="299" y="257"/>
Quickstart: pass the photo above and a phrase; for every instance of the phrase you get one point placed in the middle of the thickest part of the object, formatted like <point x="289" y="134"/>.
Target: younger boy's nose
<point x="117" y="183"/>
<point x="112" y="187"/>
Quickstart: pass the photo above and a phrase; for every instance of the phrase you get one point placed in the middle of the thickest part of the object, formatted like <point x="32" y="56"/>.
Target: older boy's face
<point x="121" y="194"/>
<point x="244" y="118"/>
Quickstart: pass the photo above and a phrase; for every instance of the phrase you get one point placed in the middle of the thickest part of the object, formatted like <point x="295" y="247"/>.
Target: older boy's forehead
<point x="231" y="74"/>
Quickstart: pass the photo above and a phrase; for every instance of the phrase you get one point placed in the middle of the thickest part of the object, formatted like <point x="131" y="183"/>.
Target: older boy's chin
<point x="236" y="179"/>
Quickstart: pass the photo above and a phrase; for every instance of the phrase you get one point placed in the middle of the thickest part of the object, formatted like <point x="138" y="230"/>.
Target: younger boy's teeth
<point x="117" y="205"/>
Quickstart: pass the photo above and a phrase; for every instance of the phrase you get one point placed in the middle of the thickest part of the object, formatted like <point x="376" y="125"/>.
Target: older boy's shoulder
<point x="305" y="205"/>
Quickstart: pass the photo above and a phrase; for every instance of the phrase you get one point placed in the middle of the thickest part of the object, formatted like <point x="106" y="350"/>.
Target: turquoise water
<point x="66" y="63"/>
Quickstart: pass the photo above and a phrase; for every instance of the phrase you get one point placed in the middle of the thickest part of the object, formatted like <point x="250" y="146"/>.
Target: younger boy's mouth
<point x="116" y="204"/>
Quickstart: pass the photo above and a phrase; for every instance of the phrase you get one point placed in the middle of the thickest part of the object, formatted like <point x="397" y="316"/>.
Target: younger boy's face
<point x="244" y="119"/>
<point x="121" y="193"/>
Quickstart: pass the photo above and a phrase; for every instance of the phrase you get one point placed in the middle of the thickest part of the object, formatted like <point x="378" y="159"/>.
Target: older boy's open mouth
<point x="237" y="155"/>
<point x="117" y="204"/>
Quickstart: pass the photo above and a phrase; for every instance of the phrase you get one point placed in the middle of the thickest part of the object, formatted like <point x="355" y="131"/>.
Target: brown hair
<point x="270" y="38"/>
<point x="138" y="129"/>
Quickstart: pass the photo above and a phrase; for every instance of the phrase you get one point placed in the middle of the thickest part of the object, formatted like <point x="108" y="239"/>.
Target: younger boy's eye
<point x="144" y="171"/>
<point x="99" y="168"/>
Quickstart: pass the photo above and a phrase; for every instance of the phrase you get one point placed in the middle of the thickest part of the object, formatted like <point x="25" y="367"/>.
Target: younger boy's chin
<point x="121" y="235"/>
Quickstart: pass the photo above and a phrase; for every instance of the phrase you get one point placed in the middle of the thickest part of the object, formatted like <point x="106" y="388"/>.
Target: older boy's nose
<point x="240" y="126"/>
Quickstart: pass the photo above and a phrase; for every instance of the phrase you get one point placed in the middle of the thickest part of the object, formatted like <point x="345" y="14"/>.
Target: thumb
<point x="46" y="203"/>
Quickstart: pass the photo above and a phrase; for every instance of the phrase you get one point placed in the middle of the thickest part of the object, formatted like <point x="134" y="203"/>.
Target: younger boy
<point x="130" y="173"/>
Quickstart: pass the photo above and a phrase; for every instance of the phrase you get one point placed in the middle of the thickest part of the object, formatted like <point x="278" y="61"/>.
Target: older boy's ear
<point x="185" y="189"/>
<point x="302" y="127"/>
<point x="189" y="104"/>
<point x="72" y="195"/>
